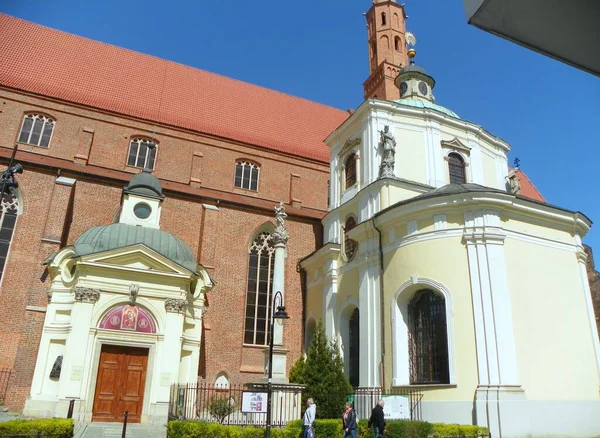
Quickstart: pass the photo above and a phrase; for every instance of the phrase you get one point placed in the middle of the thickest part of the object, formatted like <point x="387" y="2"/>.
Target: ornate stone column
<point x="280" y="238"/>
<point x="77" y="346"/>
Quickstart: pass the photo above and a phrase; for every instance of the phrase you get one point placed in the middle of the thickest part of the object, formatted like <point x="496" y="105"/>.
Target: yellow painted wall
<point x="347" y="288"/>
<point x="314" y="301"/>
<point x="490" y="179"/>
<point x="545" y="285"/>
<point x="531" y="227"/>
<point x="445" y="261"/>
<point x="410" y="155"/>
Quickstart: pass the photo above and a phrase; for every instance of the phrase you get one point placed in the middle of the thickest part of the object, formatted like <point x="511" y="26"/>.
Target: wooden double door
<point x="120" y="384"/>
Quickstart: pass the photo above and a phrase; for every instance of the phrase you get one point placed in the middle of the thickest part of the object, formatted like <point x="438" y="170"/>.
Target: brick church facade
<point x="226" y="153"/>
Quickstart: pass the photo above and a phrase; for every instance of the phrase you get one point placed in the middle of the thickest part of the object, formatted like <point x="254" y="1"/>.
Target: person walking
<point x="309" y="419"/>
<point x="349" y="422"/>
<point x="377" y="420"/>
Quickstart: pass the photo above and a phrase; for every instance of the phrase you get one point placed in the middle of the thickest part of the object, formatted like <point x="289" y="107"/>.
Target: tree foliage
<point x="323" y="374"/>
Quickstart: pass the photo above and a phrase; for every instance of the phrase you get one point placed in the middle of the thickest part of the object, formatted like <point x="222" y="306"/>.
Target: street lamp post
<point x="279" y="314"/>
<point x="8" y="176"/>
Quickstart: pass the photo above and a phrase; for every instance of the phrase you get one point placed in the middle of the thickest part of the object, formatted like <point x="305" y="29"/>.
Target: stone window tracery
<point x="246" y="175"/>
<point x="36" y="130"/>
<point x="142" y="153"/>
<point x="8" y="219"/>
<point x="259" y="290"/>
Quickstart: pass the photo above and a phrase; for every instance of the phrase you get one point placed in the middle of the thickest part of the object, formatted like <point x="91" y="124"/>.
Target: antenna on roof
<point x="516" y="163"/>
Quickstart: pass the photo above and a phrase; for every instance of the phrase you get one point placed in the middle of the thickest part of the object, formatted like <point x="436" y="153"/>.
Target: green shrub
<point x="46" y="427"/>
<point x="221" y="406"/>
<point x="324" y="428"/>
<point x="458" y="430"/>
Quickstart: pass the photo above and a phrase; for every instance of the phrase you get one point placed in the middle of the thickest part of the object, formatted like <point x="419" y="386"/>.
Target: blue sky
<point x="317" y="49"/>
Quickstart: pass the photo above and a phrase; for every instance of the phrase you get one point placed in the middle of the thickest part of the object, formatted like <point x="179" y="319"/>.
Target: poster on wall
<point x="254" y="402"/>
<point x="396" y="407"/>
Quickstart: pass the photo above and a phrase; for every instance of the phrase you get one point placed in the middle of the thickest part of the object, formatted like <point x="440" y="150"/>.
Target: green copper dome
<point x="145" y="184"/>
<point x="422" y="103"/>
<point x="113" y="236"/>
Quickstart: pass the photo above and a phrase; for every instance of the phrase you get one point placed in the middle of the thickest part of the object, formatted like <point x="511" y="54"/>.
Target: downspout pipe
<point x="381" y="305"/>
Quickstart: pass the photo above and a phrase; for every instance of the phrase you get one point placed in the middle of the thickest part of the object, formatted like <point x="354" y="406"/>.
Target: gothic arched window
<point x="36" y="130"/>
<point x="246" y="175"/>
<point x="428" y="338"/>
<point x="456" y="169"/>
<point x="350" y="167"/>
<point x="259" y="290"/>
<point x="8" y="219"/>
<point x="354" y="338"/>
<point x="349" y="244"/>
<point x="142" y="153"/>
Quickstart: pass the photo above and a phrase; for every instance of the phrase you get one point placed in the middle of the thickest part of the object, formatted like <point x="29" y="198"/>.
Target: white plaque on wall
<point x="396" y="407"/>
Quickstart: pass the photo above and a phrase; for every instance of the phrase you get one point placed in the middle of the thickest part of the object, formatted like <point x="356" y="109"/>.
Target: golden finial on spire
<point x="411" y="41"/>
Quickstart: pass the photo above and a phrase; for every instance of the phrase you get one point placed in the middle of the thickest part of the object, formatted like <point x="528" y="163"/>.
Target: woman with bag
<point x="349" y="422"/>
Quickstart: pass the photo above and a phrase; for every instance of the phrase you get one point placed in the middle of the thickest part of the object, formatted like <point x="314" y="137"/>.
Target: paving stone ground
<point x="114" y="430"/>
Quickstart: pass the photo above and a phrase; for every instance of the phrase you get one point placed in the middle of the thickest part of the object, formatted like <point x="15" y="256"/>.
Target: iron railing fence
<point x="5" y="375"/>
<point x="222" y="404"/>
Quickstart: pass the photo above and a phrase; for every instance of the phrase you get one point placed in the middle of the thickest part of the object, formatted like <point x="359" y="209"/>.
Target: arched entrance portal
<point x="122" y="370"/>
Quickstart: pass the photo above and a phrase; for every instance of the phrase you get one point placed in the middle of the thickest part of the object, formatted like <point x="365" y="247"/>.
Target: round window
<point x="142" y="211"/>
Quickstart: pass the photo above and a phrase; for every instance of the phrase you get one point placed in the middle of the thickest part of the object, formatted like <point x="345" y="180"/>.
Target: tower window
<point x="456" y="169"/>
<point x="36" y="130"/>
<point x="349" y="244"/>
<point x="383" y="20"/>
<point x="142" y="153"/>
<point x="428" y="339"/>
<point x="350" y="167"/>
<point x="8" y="219"/>
<point x="246" y="175"/>
<point x="259" y="290"/>
<point x="397" y="44"/>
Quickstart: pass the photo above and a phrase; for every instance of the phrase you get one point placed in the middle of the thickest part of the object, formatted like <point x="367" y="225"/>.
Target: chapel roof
<point x="145" y="184"/>
<point x="103" y="76"/>
<point x="114" y="236"/>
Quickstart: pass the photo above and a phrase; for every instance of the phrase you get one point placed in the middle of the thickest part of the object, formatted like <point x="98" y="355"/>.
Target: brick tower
<point x="387" y="48"/>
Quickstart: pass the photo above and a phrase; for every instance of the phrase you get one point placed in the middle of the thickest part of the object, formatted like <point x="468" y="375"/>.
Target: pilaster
<point x="171" y="346"/>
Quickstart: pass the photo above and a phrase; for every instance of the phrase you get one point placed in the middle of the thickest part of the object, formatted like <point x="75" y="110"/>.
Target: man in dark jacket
<point x="376" y="421"/>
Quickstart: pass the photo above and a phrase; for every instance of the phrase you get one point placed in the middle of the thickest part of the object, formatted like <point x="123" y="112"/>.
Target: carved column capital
<point x="87" y="295"/>
<point x="175" y="305"/>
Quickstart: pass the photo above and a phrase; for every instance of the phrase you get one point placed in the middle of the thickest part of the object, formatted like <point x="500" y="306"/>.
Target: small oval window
<point x="142" y="211"/>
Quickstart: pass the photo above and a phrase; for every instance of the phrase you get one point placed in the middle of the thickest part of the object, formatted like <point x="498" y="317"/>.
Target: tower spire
<point x="386" y="26"/>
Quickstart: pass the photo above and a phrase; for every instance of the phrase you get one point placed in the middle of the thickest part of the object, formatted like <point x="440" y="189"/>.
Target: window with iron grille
<point x="142" y="153"/>
<point x="259" y="290"/>
<point x="246" y="175"/>
<point x="8" y="219"/>
<point x="354" y="337"/>
<point x="36" y="130"/>
<point x="428" y="339"/>
<point x="349" y="244"/>
<point x="350" y="167"/>
<point x="456" y="167"/>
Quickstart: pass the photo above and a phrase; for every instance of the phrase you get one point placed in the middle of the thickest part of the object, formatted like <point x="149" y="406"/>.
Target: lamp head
<point x="17" y="168"/>
<point x="281" y="313"/>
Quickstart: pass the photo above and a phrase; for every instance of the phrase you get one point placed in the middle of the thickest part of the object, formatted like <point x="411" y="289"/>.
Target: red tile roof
<point x="45" y="61"/>
<point x="527" y="188"/>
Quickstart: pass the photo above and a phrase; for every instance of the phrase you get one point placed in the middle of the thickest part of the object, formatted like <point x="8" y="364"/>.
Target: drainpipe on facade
<point x="381" y="302"/>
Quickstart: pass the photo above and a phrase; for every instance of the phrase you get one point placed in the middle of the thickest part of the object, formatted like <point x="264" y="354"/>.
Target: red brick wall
<point x="220" y="238"/>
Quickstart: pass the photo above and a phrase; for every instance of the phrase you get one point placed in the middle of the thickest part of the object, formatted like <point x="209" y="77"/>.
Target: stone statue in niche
<point x="280" y="235"/>
<point x="56" y="368"/>
<point x="388" y="156"/>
